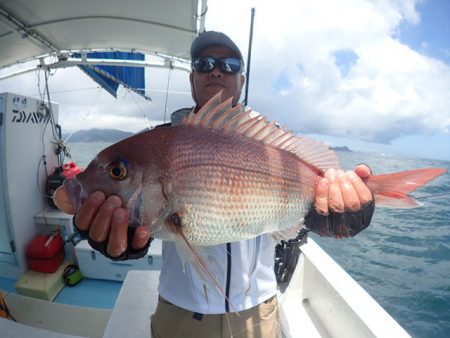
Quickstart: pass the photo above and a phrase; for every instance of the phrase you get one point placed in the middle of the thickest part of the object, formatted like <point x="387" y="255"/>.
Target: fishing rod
<point x="249" y="56"/>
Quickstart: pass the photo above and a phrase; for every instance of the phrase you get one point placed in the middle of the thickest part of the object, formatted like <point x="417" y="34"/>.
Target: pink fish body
<point x="224" y="175"/>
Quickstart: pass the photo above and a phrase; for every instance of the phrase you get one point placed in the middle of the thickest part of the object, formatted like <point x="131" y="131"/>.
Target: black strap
<point x="197" y="316"/>
<point x="337" y="224"/>
<point x="286" y="256"/>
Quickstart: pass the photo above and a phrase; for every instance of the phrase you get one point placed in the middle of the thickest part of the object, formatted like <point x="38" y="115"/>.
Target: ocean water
<point x="403" y="258"/>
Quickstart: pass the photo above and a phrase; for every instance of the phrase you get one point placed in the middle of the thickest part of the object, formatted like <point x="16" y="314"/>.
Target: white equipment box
<point x="28" y="129"/>
<point x="94" y="265"/>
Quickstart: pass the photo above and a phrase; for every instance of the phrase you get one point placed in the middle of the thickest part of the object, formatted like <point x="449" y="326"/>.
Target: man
<point x="187" y="307"/>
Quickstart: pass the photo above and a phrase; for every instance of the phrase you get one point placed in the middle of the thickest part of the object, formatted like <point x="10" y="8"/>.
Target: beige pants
<point x="171" y="321"/>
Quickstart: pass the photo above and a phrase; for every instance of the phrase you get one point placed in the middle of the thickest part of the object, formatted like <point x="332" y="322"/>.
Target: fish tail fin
<point x="191" y="254"/>
<point x="391" y="190"/>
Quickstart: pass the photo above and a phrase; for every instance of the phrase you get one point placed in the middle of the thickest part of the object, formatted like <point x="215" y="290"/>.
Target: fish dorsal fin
<point x="222" y="115"/>
<point x="212" y="113"/>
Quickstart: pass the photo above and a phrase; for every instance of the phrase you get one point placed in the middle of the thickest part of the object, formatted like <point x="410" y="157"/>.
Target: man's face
<point x="205" y="85"/>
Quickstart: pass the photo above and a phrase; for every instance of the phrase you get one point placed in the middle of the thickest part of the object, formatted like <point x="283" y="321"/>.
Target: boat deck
<point x="95" y="293"/>
<point x="322" y="300"/>
<point x="129" y="317"/>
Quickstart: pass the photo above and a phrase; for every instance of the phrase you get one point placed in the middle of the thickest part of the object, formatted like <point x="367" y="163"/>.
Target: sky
<point x="372" y="75"/>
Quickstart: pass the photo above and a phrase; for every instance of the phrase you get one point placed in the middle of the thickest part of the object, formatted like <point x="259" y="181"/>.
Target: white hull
<point x="322" y="300"/>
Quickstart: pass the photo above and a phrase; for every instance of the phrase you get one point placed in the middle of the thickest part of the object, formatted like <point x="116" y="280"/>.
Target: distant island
<point x="98" y="135"/>
<point x="115" y="135"/>
<point x="344" y="149"/>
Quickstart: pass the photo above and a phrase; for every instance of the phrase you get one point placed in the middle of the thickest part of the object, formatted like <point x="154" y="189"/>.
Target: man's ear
<point x="242" y="86"/>
<point x="242" y="80"/>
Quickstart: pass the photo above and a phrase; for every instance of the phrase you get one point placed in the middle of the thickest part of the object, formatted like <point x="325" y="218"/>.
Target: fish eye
<point x="117" y="170"/>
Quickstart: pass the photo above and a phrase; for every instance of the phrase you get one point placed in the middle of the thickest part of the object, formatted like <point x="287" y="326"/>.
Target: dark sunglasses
<point x="229" y="65"/>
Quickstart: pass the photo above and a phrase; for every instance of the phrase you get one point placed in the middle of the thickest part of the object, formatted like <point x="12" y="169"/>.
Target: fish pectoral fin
<point x="193" y="255"/>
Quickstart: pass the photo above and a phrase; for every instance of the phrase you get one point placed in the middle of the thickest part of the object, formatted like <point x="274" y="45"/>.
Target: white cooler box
<point x="94" y="265"/>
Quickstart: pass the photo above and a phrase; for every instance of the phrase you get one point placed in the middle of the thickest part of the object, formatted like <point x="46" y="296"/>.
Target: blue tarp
<point x="109" y="77"/>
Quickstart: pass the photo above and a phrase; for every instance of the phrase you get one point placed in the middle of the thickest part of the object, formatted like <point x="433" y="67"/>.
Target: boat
<point x="321" y="299"/>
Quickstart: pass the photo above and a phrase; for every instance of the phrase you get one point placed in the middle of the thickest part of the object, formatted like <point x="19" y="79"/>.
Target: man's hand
<point x="343" y="205"/>
<point x="105" y="222"/>
<point x="341" y="191"/>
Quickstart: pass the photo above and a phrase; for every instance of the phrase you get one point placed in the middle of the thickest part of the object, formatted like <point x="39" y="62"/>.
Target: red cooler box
<point x="46" y="253"/>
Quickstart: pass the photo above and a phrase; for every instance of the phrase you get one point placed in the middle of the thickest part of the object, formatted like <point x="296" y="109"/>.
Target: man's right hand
<point x="103" y="219"/>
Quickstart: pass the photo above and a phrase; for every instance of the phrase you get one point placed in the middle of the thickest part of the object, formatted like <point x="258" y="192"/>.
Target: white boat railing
<point x="322" y="300"/>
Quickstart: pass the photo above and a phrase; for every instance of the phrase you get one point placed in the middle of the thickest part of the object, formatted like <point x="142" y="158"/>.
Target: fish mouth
<point x="75" y="192"/>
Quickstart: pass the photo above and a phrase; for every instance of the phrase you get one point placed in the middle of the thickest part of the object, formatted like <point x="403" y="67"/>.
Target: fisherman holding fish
<point x="226" y="289"/>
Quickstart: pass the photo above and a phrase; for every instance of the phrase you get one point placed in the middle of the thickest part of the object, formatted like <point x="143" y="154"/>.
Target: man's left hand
<point x="341" y="191"/>
<point x="343" y="205"/>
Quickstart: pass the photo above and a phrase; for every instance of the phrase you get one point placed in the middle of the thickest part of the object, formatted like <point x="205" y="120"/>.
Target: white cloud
<point x="390" y="90"/>
<point x="387" y="91"/>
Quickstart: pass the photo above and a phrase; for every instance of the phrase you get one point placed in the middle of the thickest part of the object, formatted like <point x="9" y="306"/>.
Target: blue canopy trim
<point x="109" y="77"/>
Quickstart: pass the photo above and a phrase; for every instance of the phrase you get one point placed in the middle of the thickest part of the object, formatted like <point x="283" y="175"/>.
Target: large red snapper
<point x="223" y="175"/>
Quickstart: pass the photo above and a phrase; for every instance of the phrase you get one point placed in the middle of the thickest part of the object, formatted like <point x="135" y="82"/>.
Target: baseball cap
<point x="210" y="38"/>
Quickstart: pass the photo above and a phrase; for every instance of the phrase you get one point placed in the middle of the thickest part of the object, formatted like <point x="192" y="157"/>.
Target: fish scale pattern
<point x="231" y="188"/>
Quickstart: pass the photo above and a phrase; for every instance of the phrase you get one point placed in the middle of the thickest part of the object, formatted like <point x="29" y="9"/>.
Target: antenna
<point x="249" y="56"/>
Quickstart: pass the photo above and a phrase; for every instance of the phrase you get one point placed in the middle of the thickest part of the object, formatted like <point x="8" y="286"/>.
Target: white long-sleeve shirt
<point x="246" y="276"/>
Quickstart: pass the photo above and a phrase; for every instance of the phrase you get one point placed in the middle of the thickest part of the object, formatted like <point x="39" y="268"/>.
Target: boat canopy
<point x="31" y="29"/>
<point x="102" y="37"/>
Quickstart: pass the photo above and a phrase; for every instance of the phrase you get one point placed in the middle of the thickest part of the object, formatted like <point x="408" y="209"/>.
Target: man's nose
<point x="216" y="72"/>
